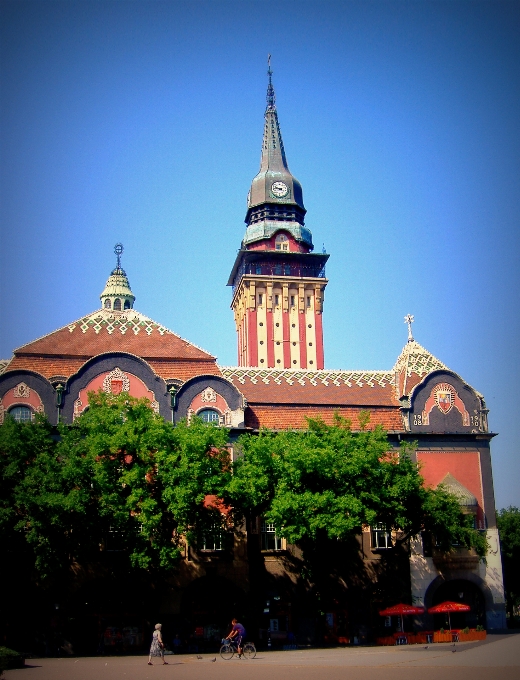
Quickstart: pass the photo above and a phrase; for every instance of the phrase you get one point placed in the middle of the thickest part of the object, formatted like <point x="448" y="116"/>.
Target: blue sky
<point x="141" y="122"/>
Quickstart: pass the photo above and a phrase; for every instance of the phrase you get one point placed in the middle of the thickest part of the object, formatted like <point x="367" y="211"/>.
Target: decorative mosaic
<point x="291" y="376"/>
<point x="113" y="321"/>
<point x="22" y="391"/>
<point x="415" y="359"/>
<point x="116" y="382"/>
<point x="208" y="395"/>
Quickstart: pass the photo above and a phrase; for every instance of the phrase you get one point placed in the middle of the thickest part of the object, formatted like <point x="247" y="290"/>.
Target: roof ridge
<point x="291" y="375"/>
<point x="107" y="313"/>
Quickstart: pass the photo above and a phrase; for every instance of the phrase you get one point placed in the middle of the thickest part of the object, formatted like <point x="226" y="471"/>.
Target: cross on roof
<point x="408" y="319"/>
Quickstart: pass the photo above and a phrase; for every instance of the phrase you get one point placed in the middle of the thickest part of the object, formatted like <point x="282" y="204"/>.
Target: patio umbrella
<point x="401" y="610"/>
<point x="449" y="607"/>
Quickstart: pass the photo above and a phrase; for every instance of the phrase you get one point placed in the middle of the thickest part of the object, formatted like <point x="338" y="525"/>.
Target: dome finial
<point x="118" y="250"/>
<point x="270" y="89"/>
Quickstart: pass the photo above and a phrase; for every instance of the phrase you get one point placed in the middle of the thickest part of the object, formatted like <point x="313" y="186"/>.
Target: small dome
<point x="117" y="293"/>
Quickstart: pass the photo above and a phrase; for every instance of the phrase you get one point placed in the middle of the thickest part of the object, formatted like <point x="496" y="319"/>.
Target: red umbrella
<point x="449" y="607"/>
<point x="401" y="610"/>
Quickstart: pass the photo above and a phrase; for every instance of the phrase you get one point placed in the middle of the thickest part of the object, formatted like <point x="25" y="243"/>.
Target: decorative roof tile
<point x="107" y="330"/>
<point x="464" y="496"/>
<point x="324" y="388"/>
<point x="416" y="359"/>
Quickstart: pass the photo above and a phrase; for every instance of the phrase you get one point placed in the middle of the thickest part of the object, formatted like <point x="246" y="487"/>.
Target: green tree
<point x="331" y="480"/>
<point x="508" y="521"/>
<point x="119" y="471"/>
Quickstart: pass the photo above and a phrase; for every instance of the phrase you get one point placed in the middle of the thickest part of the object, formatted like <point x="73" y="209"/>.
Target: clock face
<point x="279" y="189"/>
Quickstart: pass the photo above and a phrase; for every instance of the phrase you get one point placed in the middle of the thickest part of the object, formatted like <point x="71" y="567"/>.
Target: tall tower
<point x="278" y="282"/>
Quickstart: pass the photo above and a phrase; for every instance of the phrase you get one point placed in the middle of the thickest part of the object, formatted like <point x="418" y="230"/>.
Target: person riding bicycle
<point x="238" y="634"/>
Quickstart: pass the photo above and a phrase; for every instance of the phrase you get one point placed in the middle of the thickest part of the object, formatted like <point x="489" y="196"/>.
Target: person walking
<point x="157" y="646"/>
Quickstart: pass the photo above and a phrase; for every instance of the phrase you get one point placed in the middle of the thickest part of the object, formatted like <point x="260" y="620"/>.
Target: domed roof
<point x="117" y="284"/>
<point x="117" y="293"/>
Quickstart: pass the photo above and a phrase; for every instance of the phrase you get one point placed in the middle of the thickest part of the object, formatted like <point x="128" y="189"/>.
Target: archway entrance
<point x="208" y="605"/>
<point x="465" y="592"/>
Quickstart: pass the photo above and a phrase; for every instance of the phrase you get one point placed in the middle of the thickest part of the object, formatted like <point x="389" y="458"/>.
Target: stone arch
<point x="105" y="363"/>
<point x="448" y="587"/>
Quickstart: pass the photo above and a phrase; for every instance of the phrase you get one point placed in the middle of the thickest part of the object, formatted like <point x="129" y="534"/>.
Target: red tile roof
<point x="327" y="388"/>
<point x="282" y="417"/>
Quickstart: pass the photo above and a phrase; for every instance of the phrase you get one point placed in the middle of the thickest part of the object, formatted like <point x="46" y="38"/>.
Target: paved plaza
<point x="497" y="658"/>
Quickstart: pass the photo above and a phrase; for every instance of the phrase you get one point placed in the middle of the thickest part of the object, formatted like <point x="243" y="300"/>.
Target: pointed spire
<point x="271" y="99"/>
<point x="117" y="294"/>
<point x="275" y="200"/>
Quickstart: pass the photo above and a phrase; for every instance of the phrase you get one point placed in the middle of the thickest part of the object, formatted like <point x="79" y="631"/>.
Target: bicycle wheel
<point x="227" y="651"/>
<point x="249" y="650"/>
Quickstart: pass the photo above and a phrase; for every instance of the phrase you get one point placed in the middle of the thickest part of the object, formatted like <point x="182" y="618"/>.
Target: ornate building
<point x="278" y="292"/>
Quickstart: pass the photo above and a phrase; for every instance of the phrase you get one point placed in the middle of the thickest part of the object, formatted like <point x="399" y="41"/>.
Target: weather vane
<point x="118" y="250"/>
<point x="270" y="88"/>
<point x="408" y="319"/>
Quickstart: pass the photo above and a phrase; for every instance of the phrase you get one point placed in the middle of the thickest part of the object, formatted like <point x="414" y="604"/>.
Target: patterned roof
<point x="416" y="359"/>
<point x="296" y="386"/>
<point x="65" y="350"/>
<point x="464" y="496"/>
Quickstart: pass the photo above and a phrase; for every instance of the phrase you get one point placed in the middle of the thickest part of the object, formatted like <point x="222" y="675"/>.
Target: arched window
<point x="108" y="304"/>
<point x="127" y="304"/>
<point x="208" y="415"/>
<point x="117" y="304"/>
<point x="22" y="414"/>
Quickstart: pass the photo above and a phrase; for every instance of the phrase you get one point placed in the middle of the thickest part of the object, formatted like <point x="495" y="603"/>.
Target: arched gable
<point x="115" y="372"/>
<point x="214" y="392"/>
<point x="444" y="403"/>
<point x="27" y="388"/>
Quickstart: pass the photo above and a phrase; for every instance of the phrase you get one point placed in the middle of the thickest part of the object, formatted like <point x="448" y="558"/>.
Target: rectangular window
<point x="278" y="270"/>
<point x="287" y="270"/>
<point x="293" y="300"/>
<point x="308" y="300"/>
<point x="260" y="298"/>
<point x="258" y="269"/>
<point x="213" y="540"/>
<point x="381" y="539"/>
<point x="270" y="541"/>
<point x="276" y="300"/>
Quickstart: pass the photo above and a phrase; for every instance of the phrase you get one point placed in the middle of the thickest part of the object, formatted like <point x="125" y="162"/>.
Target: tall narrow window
<point x="127" y="304"/>
<point x="108" y="304"/>
<point x="276" y="300"/>
<point x="117" y="304"/>
<point x="381" y="539"/>
<point x="292" y="300"/>
<point x="270" y="541"/>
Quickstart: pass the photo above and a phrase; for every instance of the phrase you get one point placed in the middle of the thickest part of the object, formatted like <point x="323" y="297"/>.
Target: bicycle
<point x="229" y="649"/>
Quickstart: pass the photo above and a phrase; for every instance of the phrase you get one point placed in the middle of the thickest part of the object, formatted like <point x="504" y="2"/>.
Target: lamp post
<point x="59" y="398"/>
<point x="173" y="399"/>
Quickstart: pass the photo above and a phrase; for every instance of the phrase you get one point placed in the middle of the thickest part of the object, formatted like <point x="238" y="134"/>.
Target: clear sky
<point x="141" y="122"/>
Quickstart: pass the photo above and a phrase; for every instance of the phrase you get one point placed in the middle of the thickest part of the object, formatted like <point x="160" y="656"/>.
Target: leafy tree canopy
<point x="119" y="471"/>
<point x="508" y="521"/>
<point x="331" y="479"/>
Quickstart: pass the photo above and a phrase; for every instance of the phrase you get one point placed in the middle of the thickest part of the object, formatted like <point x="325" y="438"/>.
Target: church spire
<point x="270" y="89"/>
<point x="275" y="196"/>
<point x="117" y="294"/>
